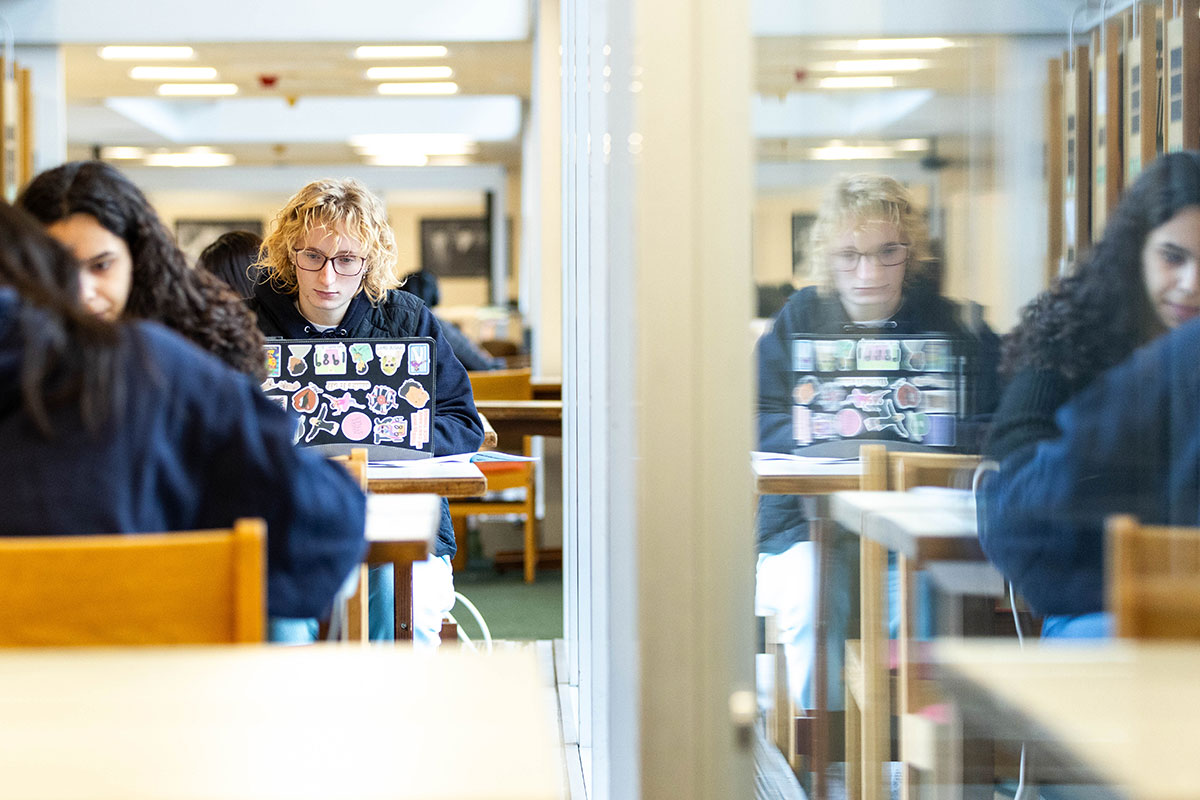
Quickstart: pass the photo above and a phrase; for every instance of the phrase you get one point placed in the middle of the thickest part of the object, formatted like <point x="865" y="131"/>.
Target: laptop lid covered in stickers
<point x="347" y="393"/>
<point x="864" y="386"/>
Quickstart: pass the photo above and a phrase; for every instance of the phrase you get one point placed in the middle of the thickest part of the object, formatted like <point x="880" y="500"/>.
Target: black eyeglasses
<point x="890" y="255"/>
<point x="343" y="264"/>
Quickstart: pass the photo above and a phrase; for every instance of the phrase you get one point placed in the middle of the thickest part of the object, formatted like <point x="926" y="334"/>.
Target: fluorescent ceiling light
<point x="397" y="160"/>
<point x="146" y="53"/>
<point x="850" y="152"/>
<point x="122" y="152"/>
<point x="196" y="157"/>
<point x="173" y="73"/>
<point x="858" y="82"/>
<point x="425" y="143"/>
<point x="930" y="43"/>
<point x="911" y="145"/>
<point x="400" y="51"/>
<point x="197" y="89"/>
<point x="433" y="87"/>
<point x="408" y="73"/>
<point x="881" y="65"/>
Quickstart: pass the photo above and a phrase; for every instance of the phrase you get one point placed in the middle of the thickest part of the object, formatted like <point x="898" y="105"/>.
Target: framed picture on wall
<point x="801" y="227"/>
<point x="457" y="247"/>
<point x="194" y="235"/>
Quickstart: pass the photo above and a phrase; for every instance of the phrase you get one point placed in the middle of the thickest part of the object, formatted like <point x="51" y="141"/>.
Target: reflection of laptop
<point x="909" y="392"/>
<point x="347" y="393"/>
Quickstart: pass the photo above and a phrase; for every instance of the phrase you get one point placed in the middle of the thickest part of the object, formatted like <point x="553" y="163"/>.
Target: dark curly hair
<point x="1097" y="316"/>
<point x="68" y="354"/>
<point x="194" y="303"/>
<point x="231" y="258"/>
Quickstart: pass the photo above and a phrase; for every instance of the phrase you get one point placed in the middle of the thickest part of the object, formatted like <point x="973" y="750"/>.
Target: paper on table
<point x="759" y="456"/>
<point x="457" y="458"/>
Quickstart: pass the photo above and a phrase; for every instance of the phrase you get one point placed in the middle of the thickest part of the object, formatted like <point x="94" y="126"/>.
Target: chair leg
<point x="531" y="546"/>
<point x="356" y="610"/>
<point x="461" y="554"/>
<point x="854" y="763"/>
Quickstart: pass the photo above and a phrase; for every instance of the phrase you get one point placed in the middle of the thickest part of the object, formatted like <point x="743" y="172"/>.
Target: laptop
<point x="347" y="393"/>
<point x="907" y="391"/>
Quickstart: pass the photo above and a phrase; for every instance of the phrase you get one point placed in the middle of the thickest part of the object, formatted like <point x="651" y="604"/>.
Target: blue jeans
<point x="1098" y="625"/>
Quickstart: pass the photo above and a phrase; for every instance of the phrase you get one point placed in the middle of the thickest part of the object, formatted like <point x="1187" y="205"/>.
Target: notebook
<point x="908" y="390"/>
<point x="347" y="393"/>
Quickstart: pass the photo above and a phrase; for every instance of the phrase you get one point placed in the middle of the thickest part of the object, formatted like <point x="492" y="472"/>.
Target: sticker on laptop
<point x="414" y="394"/>
<point x="330" y="359"/>
<point x="361" y="354"/>
<point x="390" y="429"/>
<point x="381" y="399"/>
<point x="389" y="357"/>
<point x="273" y="354"/>
<point x="356" y="426"/>
<point x="418" y="359"/>
<point x="420" y="428"/>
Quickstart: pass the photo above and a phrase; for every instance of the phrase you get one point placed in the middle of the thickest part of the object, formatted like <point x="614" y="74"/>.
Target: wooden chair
<point x="503" y="384"/>
<point x="356" y="629"/>
<point x="192" y="587"/>
<point x="868" y="691"/>
<point x="1153" y="579"/>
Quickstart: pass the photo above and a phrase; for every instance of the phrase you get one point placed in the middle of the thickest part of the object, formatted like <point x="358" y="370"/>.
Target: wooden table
<point x="513" y="419"/>
<point x="922" y="526"/>
<point x="546" y="388"/>
<point x="401" y="530"/>
<point x="450" y="479"/>
<point x="267" y="722"/>
<point x="805" y="477"/>
<point x="1121" y="713"/>
<point x="490" y="439"/>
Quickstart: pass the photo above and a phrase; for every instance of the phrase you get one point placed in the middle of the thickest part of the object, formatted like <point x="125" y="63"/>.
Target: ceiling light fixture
<point x="197" y="89"/>
<point x="928" y="43"/>
<point x="372" y="51"/>
<point x="121" y="152"/>
<point x="196" y="157"/>
<point x="858" y="82"/>
<point x="426" y="143"/>
<point x="173" y="73"/>
<point x="408" y="73"/>
<point x="146" y="53"/>
<point x="434" y="87"/>
<point x="881" y="65"/>
<point x="397" y="160"/>
<point x="839" y="152"/>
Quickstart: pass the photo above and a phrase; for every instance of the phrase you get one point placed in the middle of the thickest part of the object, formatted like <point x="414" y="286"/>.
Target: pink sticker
<point x="420" y="428"/>
<point x="356" y="426"/>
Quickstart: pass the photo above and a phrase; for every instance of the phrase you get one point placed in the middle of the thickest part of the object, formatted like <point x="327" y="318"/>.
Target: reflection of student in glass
<point x="871" y="242"/>
<point x="329" y="271"/>
<point x="1138" y="282"/>
<point x="111" y="427"/>
<point x="130" y="266"/>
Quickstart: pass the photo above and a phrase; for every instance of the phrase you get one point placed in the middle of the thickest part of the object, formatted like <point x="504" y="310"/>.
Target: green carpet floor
<point x="512" y="608"/>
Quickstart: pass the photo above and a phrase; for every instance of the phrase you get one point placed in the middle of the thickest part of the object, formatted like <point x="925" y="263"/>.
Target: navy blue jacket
<point x="782" y="521"/>
<point x="1128" y="443"/>
<point x="456" y="424"/>
<point x="194" y="445"/>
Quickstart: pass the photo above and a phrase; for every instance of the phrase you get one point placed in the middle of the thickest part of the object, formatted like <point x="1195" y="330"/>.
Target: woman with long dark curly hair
<point x="1130" y="289"/>
<point x="130" y="265"/>
<point x="1093" y="423"/>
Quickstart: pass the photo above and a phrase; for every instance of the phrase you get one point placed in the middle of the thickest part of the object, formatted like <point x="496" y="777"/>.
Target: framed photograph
<point x="456" y="248"/>
<point x="801" y="227"/>
<point x="194" y="235"/>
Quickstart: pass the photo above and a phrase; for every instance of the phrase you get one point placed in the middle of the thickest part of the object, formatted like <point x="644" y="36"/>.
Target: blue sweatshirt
<point x="193" y="445"/>
<point x="1128" y="443"/>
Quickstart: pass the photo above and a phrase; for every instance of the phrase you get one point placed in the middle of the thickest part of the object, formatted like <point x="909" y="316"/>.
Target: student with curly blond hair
<point x="329" y="271"/>
<point x="871" y="251"/>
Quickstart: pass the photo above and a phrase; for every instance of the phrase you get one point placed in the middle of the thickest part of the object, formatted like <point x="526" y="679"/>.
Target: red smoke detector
<point x="801" y="74"/>
<point x="268" y="81"/>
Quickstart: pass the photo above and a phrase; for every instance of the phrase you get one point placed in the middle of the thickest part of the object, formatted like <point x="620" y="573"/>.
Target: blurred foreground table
<point x="259" y="721"/>
<point x="449" y="479"/>
<point x="1119" y="713"/>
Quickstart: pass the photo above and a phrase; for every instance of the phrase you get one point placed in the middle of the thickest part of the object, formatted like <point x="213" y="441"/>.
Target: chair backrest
<point x="1153" y="579"/>
<point x="501" y="384"/>
<point x="189" y="587"/>
<point x="904" y="470"/>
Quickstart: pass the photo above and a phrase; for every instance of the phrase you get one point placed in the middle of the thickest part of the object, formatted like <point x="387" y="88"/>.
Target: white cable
<point x="487" y="633"/>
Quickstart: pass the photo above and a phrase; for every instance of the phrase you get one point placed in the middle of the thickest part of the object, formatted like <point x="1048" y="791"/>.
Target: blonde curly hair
<point x="337" y="205"/>
<point x="855" y="201"/>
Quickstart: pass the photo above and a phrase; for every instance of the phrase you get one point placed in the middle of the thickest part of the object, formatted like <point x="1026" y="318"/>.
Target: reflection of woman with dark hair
<point x="131" y="267"/>
<point x="231" y="258"/>
<point x="1139" y="282"/>
<point x="109" y="427"/>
